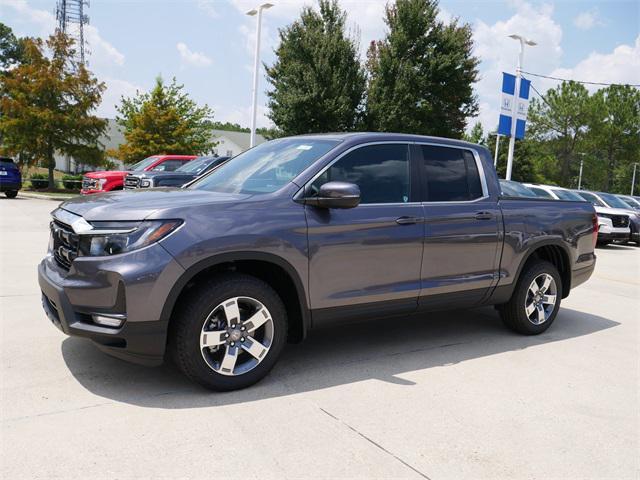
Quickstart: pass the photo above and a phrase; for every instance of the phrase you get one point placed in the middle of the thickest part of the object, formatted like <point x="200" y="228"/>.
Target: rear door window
<point x="451" y="174"/>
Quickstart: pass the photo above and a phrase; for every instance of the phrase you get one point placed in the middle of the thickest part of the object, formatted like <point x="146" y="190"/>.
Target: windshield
<point x="567" y="195"/>
<point x="265" y="168"/>
<point x="142" y="164"/>
<point x="630" y="201"/>
<point x="195" y="166"/>
<point x="613" y="201"/>
<point x="515" y="189"/>
<point x="589" y="197"/>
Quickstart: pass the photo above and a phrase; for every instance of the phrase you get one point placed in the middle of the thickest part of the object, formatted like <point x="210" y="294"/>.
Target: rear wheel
<point x="535" y="301"/>
<point x="11" y="194"/>
<point x="229" y="332"/>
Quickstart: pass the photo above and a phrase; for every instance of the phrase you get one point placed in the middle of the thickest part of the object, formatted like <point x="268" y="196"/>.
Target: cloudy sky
<point x="208" y="44"/>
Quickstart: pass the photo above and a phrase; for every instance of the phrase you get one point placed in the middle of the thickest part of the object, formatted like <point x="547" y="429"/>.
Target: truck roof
<point x="388" y="136"/>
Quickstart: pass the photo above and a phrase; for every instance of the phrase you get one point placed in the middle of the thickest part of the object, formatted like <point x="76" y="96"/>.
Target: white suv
<point x="613" y="223"/>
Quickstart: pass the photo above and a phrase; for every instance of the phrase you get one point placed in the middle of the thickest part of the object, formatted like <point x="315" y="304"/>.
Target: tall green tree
<point x="614" y="134"/>
<point x="47" y="104"/>
<point x="318" y="81"/>
<point x="421" y="74"/>
<point x="559" y="122"/>
<point x="11" y="48"/>
<point x="163" y="121"/>
<point x="476" y="135"/>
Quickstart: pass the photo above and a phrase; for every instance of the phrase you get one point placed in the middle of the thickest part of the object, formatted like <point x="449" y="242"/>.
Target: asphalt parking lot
<point x="448" y="395"/>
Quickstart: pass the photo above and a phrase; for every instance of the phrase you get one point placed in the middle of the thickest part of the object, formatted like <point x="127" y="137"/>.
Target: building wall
<point x="226" y="148"/>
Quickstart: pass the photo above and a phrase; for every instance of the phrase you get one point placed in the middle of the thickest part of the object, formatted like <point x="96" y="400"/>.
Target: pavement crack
<point x="377" y="445"/>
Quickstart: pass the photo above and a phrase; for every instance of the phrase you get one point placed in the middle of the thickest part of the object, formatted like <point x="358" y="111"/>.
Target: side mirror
<point x="336" y="195"/>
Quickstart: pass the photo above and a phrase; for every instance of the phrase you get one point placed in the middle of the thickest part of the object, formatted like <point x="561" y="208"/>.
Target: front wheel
<point x="229" y="332"/>
<point x="11" y="194"/>
<point x="535" y="302"/>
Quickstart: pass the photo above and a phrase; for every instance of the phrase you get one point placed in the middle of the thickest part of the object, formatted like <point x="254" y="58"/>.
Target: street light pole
<point x="256" y="69"/>
<point x="633" y="180"/>
<point x="580" y="176"/>
<point x="514" y="109"/>
<point x="495" y="155"/>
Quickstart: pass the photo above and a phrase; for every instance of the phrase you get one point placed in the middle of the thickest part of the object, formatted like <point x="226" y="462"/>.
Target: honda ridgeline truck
<point x="303" y="232"/>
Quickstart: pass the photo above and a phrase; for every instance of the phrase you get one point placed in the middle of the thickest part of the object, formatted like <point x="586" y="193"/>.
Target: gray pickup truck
<point x="303" y="232"/>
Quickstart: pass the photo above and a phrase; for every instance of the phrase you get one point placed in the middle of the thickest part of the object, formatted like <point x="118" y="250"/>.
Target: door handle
<point x="484" y="216"/>
<point x="408" y="220"/>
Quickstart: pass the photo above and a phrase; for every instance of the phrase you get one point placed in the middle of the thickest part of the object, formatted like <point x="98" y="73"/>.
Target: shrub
<point x="39" y="181"/>
<point x="72" y="182"/>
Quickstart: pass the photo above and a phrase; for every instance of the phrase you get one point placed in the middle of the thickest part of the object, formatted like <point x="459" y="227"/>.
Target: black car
<point x="177" y="178"/>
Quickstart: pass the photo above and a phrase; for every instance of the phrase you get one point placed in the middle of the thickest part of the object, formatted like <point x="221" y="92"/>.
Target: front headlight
<point x="111" y="238"/>
<point x="101" y="183"/>
<point x="145" y="183"/>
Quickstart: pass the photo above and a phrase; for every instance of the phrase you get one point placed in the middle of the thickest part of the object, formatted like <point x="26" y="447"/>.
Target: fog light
<point x="110" y="320"/>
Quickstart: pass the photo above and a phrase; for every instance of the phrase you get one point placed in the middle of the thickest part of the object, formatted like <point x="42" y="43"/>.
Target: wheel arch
<point x="275" y="270"/>
<point x="555" y="253"/>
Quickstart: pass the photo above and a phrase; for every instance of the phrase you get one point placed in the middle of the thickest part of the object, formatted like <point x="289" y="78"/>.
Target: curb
<point x="40" y="196"/>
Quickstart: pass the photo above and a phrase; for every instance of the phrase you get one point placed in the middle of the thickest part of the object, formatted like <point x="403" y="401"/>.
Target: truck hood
<point x="614" y="211"/>
<point x="107" y="174"/>
<point x="139" y="204"/>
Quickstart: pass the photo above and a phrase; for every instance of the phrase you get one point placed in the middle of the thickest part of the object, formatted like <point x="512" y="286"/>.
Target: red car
<point x="99" y="182"/>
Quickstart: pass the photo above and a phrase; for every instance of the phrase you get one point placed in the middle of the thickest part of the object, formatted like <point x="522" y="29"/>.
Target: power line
<point x="581" y="81"/>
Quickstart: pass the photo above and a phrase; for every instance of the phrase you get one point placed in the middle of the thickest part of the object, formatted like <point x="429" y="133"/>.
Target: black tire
<point x="11" y="194"/>
<point x="513" y="312"/>
<point x="187" y="323"/>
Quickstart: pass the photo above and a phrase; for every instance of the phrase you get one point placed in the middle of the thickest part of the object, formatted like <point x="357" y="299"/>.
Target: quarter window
<point x="381" y="172"/>
<point x="451" y="173"/>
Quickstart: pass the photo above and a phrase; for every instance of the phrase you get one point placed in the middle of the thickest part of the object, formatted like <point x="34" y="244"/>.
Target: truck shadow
<point x="381" y="349"/>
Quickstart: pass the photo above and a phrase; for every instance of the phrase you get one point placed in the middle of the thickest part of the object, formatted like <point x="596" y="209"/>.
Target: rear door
<point x="462" y="234"/>
<point x="370" y="254"/>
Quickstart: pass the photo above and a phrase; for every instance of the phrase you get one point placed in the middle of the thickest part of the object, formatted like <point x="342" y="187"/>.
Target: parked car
<point x="100" y="182"/>
<point x="539" y="191"/>
<point x="613" y="201"/>
<point x="177" y="178"/>
<point x="302" y="232"/>
<point x="557" y="193"/>
<point x="630" y="201"/>
<point x="512" y="188"/>
<point x="10" y="177"/>
<point x="613" y="223"/>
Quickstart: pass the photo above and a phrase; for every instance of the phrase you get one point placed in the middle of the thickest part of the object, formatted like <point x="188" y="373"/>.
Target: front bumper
<point x="136" y="286"/>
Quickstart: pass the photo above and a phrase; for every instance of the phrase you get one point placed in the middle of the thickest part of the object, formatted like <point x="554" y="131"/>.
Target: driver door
<point x="366" y="260"/>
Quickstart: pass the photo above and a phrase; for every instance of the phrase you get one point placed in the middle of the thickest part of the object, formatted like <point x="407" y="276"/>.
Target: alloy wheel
<point x="236" y="336"/>
<point x="541" y="299"/>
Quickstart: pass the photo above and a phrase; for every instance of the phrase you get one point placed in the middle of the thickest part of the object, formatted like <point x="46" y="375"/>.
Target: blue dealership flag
<point x="506" y="105"/>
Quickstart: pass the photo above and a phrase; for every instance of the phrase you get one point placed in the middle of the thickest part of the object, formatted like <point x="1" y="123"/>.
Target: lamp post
<point x="580" y="175"/>
<point x="514" y="110"/>
<point x="495" y="155"/>
<point x="256" y="69"/>
<point x="633" y="180"/>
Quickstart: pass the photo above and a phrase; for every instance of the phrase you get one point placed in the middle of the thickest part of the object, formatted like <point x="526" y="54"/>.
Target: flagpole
<point x="514" y="108"/>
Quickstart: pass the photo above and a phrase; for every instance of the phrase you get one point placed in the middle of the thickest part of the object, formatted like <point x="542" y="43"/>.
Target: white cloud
<point x="242" y="115"/>
<point x="622" y="65"/>
<point x="116" y="89"/>
<point x="103" y="53"/>
<point x="587" y="20"/>
<point x="208" y="7"/>
<point x="189" y="57"/>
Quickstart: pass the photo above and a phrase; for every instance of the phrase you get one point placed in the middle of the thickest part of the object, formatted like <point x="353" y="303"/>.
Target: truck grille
<point x="620" y="221"/>
<point x="131" y="182"/>
<point x="88" y="183"/>
<point x="65" y="244"/>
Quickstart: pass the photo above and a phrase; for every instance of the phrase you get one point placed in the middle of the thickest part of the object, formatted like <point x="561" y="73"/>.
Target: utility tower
<point x="72" y="17"/>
